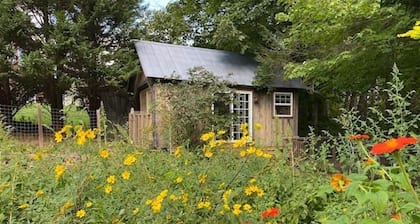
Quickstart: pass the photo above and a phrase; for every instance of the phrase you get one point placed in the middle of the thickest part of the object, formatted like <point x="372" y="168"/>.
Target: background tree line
<point x="343" y="49"/>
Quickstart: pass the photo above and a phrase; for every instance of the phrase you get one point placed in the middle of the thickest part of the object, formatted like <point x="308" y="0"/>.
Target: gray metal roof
<point x="160" y="60"/>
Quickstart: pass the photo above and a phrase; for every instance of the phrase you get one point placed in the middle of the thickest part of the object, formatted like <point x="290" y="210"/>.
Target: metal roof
<point x="160" y="60"/>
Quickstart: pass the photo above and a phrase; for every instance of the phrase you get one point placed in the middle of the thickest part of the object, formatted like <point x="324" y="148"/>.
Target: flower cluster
<point x="359" y="137"/>
<point x="212" y="142"/>
<point x="81" y="136"/>
<point x="156" y="203"/>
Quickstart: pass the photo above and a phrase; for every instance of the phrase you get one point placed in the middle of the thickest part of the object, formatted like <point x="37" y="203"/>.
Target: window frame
<point x="283" y="104"/>
<point x="250" y="112"/>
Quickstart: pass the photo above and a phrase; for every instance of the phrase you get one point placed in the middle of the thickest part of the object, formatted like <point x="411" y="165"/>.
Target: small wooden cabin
<point x="276" y="111"/>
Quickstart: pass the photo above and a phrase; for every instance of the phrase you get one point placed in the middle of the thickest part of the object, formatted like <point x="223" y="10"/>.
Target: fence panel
<point x="140" y="128"/>
<point x="36" y="123"/>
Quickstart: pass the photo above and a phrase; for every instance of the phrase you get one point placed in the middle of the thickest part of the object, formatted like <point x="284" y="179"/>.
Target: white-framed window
<point x="283" y="104"/>
<point x="242" y="110"/>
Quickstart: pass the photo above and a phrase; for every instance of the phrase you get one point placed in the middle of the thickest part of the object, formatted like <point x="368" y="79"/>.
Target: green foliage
<point x="73" y="115"/>
<point x="189" y="110"/>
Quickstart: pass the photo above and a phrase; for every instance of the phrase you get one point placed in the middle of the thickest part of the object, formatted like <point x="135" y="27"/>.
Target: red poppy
<point x="359" y="137"/>
<point x="389" y="146"/>
<point x="271" y="212"/>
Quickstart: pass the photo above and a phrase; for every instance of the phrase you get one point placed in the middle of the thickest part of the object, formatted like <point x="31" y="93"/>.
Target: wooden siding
<point x="275" y="130"/>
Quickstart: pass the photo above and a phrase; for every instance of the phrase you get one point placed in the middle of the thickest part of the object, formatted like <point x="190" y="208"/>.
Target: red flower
<point x="358" y="137"/>
<point x="389" y="146"/>
<point x="271" y="212"/>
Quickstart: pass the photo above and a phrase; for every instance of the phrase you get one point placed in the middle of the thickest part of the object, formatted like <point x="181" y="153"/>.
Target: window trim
<point x="250" y="115"/>
<point x="283" y="104"/>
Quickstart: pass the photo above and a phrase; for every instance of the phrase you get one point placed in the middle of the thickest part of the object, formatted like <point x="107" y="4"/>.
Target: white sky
<point x="157" y="4"/>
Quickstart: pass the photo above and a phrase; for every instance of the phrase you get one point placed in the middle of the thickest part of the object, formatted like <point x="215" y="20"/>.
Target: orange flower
<point x="396" y="216"/>
<point x="271" y="212"/>
<point x="368" y="162"/>
<point x="339" y="182"/>
<point x="389" y="146"/>
<point x="359" y="137"/>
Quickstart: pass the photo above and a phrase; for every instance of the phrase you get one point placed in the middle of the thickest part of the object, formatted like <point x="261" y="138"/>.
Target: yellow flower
<point x="259" y="152"/>
<point x="81" y="213"/>
<point x="221" y="132"/>
<point x="178" y="151"/>
<point x="267" y="156"/>
<point x="126" y="175"/>
<point x="104" y="153"/>
<point x="111" y="179"/>
<point x="81" y="140"/>
<point x="136" y="211"/>
<point x="90" y="134"/>
<point x="179" y="180"/>
<point x="23" y="206"/>
<point x="66" y="206"/>
<point x="89" y="204"/>
<point x="207" y="136"/>
<point x="208" y="153"/>
<point x="258" y="126"/>
<point x="204" y="204"/>
<point x="129" y="160"/>
<point x="108" y="189"/>
<point x="242" y="153"/>
<point x="247" y="207"/>
<point x="212" y="143"/>
<point x="173" y="197"/>
<point x="38" y="155"/>
<point x="39" y="193"/>
<point x="59" y="170"/>
<point x="58" y="137"/>
<point x="236" y="209"/>
<point x="202" y="178"/>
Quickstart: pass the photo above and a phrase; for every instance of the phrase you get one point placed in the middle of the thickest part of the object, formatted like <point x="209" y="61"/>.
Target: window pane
<point x="283" y="110"/>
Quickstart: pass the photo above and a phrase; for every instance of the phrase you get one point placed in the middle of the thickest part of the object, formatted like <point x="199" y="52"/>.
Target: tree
<point x="80" y="42"/>
<point x="240" y="26"/>
<point x="15" y="33"/>
<point x="344" y="49"/>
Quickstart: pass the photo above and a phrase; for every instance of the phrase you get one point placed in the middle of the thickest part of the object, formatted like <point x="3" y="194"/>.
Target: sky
<point x="157" y="4"/>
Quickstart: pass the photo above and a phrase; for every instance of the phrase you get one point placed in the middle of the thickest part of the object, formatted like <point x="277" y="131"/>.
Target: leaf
<point x="406" y="208"/>
<point x="379" y="200"/>
<point x="368" y="221"/>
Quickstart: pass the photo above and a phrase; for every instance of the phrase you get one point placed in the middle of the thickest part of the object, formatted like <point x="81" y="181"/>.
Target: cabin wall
<point x="275" y="130"/>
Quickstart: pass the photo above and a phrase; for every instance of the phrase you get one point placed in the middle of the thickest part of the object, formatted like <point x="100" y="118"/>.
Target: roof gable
<point x="160" y="60"/>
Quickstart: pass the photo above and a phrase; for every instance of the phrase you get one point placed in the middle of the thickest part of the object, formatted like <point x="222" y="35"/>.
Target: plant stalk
<point x="407" y="179"/>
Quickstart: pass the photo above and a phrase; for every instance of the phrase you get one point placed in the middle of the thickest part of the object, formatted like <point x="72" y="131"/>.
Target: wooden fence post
<point x="131" y="124"/>
<point x="40" y="129"/>
<point x="98" y="125"/>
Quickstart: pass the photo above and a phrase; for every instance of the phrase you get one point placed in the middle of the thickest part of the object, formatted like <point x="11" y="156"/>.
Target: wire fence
<point x="36" y="123"/>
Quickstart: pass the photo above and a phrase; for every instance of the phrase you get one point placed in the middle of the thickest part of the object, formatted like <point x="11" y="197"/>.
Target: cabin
<point x="276" y="111"/>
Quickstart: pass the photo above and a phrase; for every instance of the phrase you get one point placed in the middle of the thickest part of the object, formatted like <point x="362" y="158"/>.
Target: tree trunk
<point x="57" y="113"/>
<point x="94" y="104"/>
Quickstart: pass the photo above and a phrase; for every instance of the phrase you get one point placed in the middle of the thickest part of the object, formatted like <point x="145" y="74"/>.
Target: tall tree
<point x="15" y="36"/>
<point x="241" y="25"/>
<point x="346" y="48"/>
<point x="82" y="42"/>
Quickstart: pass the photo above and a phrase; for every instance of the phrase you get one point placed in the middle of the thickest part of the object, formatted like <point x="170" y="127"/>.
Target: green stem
<point x="407" y="179"/>
<point x="376" y="163"/>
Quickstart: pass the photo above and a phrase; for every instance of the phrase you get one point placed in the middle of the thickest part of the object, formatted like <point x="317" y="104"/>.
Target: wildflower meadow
<point x="81" y="178"/>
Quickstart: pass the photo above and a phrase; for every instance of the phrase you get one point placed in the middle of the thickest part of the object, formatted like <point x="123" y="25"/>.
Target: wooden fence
<point x="140" y="128"/>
